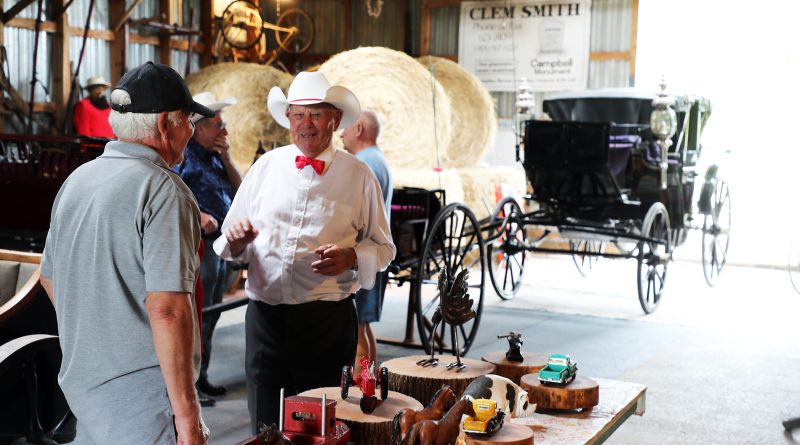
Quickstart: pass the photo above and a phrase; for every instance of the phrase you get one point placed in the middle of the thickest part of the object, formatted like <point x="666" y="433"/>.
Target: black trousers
<point x="297" y="348"/>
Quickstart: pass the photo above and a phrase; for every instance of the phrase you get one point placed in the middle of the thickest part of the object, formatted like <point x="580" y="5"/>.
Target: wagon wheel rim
<point x="507" y="254"/>
<point x="585" y="254"/>
<point x="456" y="229"/>
<point x="716" y="233"/>
<point x="242" y="24"/>
<point x="793" y="265"/>
<point x="653" y="258"/>
<point x="300" y="40"/>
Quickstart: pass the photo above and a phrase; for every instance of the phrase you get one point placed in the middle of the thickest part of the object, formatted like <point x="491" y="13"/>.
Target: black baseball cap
<point x="155" y="88"/>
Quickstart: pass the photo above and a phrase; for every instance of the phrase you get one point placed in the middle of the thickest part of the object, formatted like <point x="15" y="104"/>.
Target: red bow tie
<point x="316" y="164"/>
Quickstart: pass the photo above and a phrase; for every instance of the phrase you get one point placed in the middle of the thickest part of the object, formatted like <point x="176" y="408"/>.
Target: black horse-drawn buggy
<point x="613" y="175"/>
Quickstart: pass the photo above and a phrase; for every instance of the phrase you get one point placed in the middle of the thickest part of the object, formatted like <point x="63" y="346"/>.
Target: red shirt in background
<point x="92" y="121"/>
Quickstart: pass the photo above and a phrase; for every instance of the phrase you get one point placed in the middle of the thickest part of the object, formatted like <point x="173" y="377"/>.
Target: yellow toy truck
<point x="487" y="419"/>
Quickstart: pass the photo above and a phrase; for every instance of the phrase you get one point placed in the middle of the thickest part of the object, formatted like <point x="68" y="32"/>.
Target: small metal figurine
<point x="514" y="343"/>
<point x="455" y="309"/>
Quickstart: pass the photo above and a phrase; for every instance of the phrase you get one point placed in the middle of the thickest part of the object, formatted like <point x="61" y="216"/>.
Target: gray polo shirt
<point x="122" y="225"/>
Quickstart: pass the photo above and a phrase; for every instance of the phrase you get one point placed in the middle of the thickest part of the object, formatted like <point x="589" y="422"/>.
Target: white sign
<point x="549" y="44"/>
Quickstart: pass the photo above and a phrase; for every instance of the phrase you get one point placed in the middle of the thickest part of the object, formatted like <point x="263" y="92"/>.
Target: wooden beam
<point x="60" y="69"/>
<point x="16" y="9"/>
<point x="123" y="16"/>
<point x="610" y="55"/>
<point x="347" y="13"/>
<point x="118" y="44"/>
<point x="206" y="27"/>
<point x="164" y="50"/>
<point x="634" y="39"/>
<point x="425" y="29"/>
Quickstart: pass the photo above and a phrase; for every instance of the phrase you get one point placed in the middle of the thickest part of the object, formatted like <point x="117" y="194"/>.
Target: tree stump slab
<point x="581" y="393"/>
<point x="366" y="429"/>
<point x="509" y="434"/>
<point x="515" y="370"/>
<point x="421" y="383"/>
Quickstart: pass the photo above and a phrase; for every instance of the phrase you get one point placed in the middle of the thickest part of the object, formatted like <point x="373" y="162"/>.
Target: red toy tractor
<point x="367" y="382"/>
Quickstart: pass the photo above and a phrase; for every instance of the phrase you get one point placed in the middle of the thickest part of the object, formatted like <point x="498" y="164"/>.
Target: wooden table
<point x="366" y="429"/>
<point x="618" y="401"/>
<point x="421" y="383"/>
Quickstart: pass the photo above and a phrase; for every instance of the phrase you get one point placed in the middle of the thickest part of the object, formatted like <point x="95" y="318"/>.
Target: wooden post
<point x="164" y="49"/>
<point x="425" y="29"/>
<point x="206" y="27"/>
<point x="632" y="49"/>
<point x="116" y="9"/>
<point x="62" y="76"/>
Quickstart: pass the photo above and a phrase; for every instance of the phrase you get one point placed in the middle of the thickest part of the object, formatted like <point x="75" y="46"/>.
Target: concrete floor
<point x="718" y="362"/>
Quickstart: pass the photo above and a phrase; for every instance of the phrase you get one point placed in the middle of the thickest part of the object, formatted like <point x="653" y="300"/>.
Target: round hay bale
<point x="401" y="92"/>
<point x="483" y="185"/>
<point x="473" y="119"/>
<point x="448" y="180"/>
<point x="249" y="121"/>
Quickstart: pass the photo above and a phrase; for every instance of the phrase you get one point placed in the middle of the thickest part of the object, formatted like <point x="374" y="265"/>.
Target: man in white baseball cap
<point x="213" y="177"/>
<point x="310" y="221"/>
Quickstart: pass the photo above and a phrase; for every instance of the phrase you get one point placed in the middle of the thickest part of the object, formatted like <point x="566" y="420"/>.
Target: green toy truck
<point x="560" y="369"/>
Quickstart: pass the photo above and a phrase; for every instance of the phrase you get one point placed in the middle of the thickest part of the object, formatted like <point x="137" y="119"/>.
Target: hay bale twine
<point x="448" y="180"/>
<point x="473" y="119"/>
<point x="249" y="121"/>
<point x="483" y="185"/>
<point x="398" y="89"/>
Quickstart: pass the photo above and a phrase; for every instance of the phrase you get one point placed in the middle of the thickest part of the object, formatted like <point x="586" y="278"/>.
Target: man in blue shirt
<point x="360" y="139"/>
<point x="212" y="176"/>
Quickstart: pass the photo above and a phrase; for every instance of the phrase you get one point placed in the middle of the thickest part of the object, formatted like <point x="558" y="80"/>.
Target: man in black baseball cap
<point x="120" y="265"/>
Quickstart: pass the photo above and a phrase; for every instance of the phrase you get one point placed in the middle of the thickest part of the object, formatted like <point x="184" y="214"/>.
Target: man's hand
<point x="221" y="145"/>
<point x="208" y="223"/>
<point x="239" y="235"/>
<point x="191" y="430"/>
<point x="333" y="260"/>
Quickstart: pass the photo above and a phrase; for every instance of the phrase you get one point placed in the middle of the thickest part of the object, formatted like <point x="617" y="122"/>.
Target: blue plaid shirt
<point x="204" y="173"/>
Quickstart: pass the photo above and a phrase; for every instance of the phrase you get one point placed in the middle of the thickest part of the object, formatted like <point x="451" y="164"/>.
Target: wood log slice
<point x="581" y="393"/>
<point x="422" y="382"/>
<point x="515" y="370"/>
<point x="509" y="434"/>
<point x="366" y="429"/>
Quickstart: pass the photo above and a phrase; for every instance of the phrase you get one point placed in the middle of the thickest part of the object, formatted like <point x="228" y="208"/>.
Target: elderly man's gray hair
<point x="135" y="126"/>
<point x="376" y="121"/>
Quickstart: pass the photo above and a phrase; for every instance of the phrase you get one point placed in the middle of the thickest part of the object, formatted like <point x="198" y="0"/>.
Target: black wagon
<point x="606" y="185"/>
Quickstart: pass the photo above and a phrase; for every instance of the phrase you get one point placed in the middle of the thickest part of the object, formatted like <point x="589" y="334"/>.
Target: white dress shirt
<point x="296" y="211"/>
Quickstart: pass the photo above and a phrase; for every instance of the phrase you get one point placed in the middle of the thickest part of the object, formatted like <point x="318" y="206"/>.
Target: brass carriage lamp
<point x="663" y="123"/>
<point x="525" y="110"/>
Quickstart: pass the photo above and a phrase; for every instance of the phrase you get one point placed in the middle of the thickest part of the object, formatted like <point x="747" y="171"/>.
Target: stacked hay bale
<point x="414" y="108"/>
<point x="249" y="121"/>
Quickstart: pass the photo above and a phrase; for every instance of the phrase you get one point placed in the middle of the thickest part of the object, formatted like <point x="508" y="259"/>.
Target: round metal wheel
<point x="368" y="404"/>
<point x="453" y="241"/>
<point x="653" y="258"/>
<point x="716" y="232"/>
<point x="507" y="254"/>
<point x="301" y="39"/>
<point x="242" y="24"/>
<point x="583" y="254"/>
<point x="794" y="265"/>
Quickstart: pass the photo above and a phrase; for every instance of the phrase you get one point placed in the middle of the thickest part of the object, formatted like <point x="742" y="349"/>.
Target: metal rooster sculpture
<point x="455" y="309"/>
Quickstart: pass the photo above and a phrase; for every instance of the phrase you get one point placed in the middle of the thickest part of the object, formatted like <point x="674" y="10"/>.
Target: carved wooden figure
<point x="441" y="432"/>
<point x="405" y="419"/>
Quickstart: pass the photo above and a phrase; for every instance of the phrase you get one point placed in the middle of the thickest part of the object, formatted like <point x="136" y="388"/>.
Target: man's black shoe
<point x="205" y="399"/>
<point x="205" y="386"/>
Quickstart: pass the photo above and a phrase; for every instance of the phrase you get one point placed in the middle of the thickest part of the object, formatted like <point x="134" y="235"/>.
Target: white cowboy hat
<point x="209" y="100"/>
<point x="312" y="88"/>
<point x="95" y="81"/>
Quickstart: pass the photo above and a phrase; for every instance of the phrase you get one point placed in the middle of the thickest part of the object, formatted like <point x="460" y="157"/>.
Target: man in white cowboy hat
<point x="212" y="176"/>
<point x="90" y="115"/>
<point x="311" y="222"/>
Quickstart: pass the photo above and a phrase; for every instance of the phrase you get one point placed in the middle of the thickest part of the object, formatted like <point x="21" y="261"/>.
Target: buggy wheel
<point x="507" y="254"/>
<point x="794" y="265"/>
<point x="346" y="377"/>
<point x="453" y="241"/>
<point x="654" y="256"/>
<point x="368" y="404"/>
<point x="716" y="232"/>
<point x="584" y="254"/>
<point x="302" y="35"/>
<point x="242" y="24"/>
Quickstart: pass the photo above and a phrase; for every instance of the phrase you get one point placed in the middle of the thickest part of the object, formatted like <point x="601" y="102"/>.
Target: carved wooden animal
<point x="405" y="419"/>
<point x="441" y="432"/>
